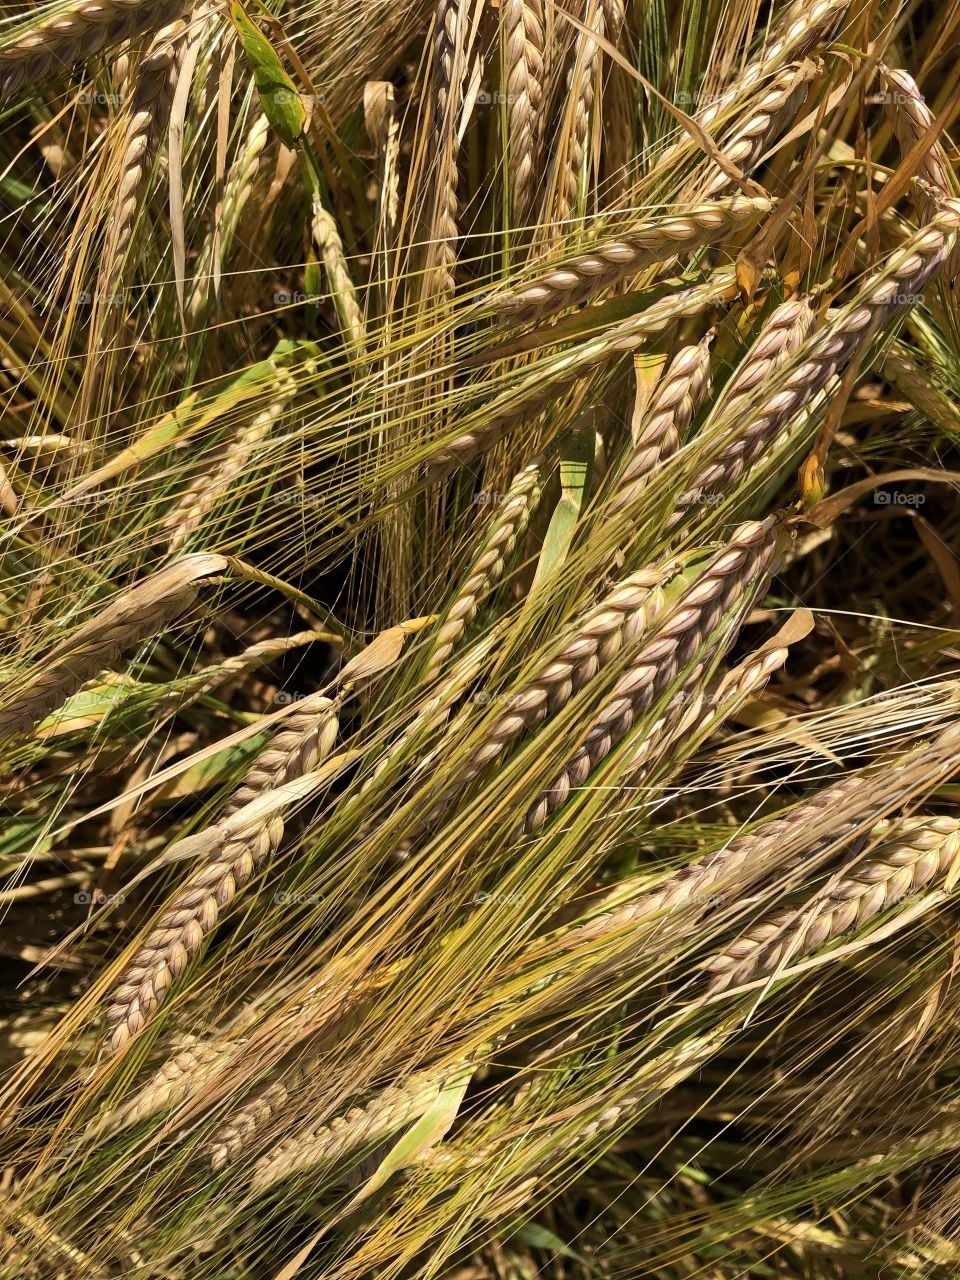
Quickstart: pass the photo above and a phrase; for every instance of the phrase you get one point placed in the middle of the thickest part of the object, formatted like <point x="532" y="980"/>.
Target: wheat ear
<point x="506" y="529"/>
<point x="907" y="864"/>
<point x="592" y="642"/>
<point x="777" y="107"/>
<point x="523" y="54"/>
<point x="576" y="279"/>
<point x="844" y="332"/>
<point x="52" y="46"/>
<point x="449" y="78"/>
<point x="136" y="615"/>
<point x="728" y="583"/>
<point x="150" y="105"/>
<point x="236" y="1133"/>
<point x="177" y="1079"/>
<point x="676" y="398"/>
<point x="543" y="384"/>
<point x="326" y="236"/>
<point x="307" y="737"/>
<point x="581" y="90"/>
<point x="911" y="120"/>
<point x="190" y="511"/>
<point x="393" y="1108"/>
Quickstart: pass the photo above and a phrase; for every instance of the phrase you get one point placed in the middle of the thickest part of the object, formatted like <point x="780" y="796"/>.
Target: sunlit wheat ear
<point x="138" y="614"/>
<point x="176" y="1080"/>
<point x="522" y="27"/>
<point x="326" y="236"/>
<point x="202" y="496"/>
<point x="777" y="107"/>
<point x="450" y="71"/>
<point x="240" y="1130"/>
<point x="52" y="46"/>
<point x="505" y="531"/>
<point x="392" y="1109"/>
<point x="238" y="188"/>
<point x="728" y="584"/>
<point x="581" y="90"/>
<point x="843" y="332"/>
<point x="576" y="279"/>
<point x="905" y="105"/>
<point x="148" y="110"/>
<point x="917" y="857"/>
<point x="677" y="397"/>
<point x="593" y="640"/>
<point x="305" y="738"/>
<point x="550" y="376"/>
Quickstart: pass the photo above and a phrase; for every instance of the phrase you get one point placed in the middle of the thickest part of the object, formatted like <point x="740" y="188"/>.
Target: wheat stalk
<point x="911" y="120"/>
<point x="675" y="400"/>
<point x="306" y="737"/>
<point x="53" y="45"/>
<point x="506" y="529"/>
<point x="136" y="615"/>
<point x="579" y="278"/>
<point x="727" y="584"/>
<point x="523" y="53"/>
<point x="922" y="854"/>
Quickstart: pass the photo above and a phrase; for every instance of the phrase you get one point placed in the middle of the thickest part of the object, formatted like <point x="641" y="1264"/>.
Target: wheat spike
<point x="192" y="508"/>
<point x="326" y="237"/>
<point x="581" y="90"/>
<point x="914" y="860"/>
<point x="177" y="1079"/>
<point x="676" y="398"/>
<point x="911" y="119"/>
<point x="136" y="615"/>
<point x="523" y="54"/>
<point x="593" y="640"/>
<point x="728" y="583"/>
<point x="151" y="103"/>
<point x="52" y="46"/>
<point x="506" y="528"/>
<point x="391" y="1109"/>
<point x="544" y="383"/>
<point x="307" y="737"/>
<point x="449" y="78"/>
<point x="778" y="106"/>
<point x="576" y="279"/>
<point x="844" y="332"/>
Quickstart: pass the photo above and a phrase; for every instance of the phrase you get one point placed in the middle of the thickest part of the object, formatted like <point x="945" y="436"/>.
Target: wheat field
<point x="480" y="604"/>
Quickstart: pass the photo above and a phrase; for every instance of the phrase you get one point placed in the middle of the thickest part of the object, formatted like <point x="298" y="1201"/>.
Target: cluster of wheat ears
<point x="479" y="588"/>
